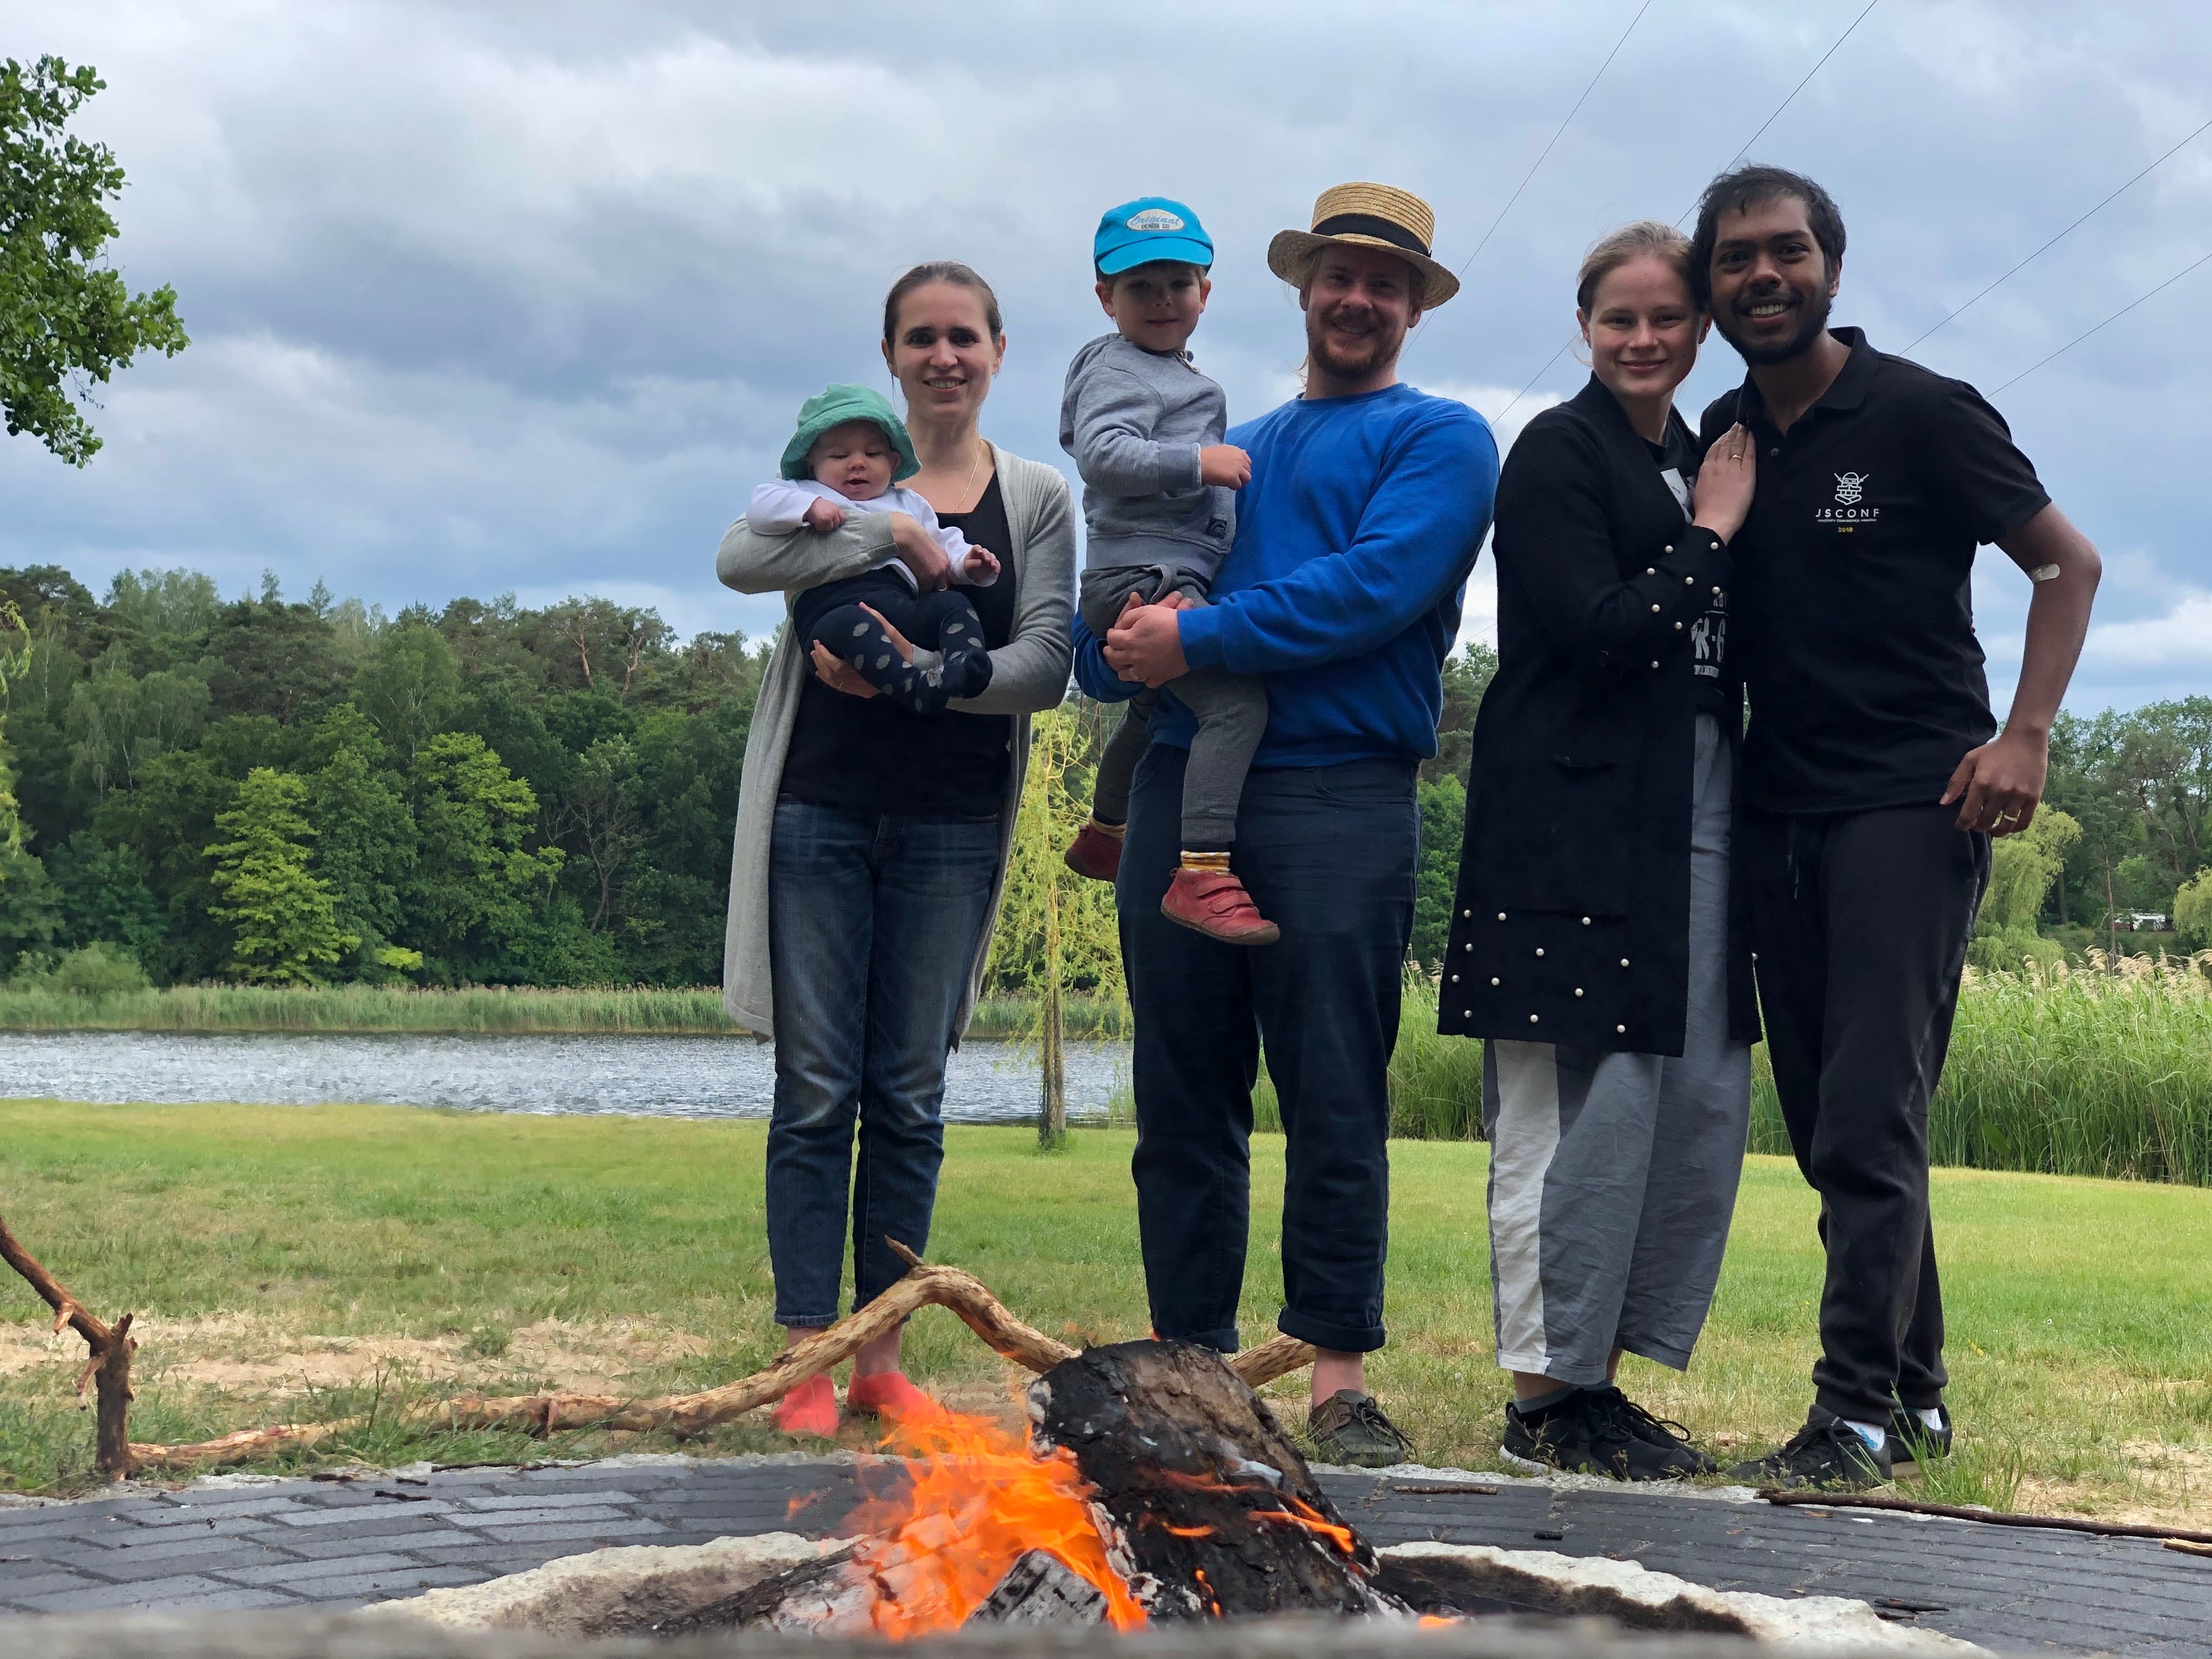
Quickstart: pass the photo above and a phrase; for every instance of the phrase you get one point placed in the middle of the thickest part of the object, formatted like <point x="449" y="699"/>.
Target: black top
<point x="871" y="755"/>
<point x="1855" y="623"/>
<point x="1676" y="458"/>
<point x="1573" y="901"/>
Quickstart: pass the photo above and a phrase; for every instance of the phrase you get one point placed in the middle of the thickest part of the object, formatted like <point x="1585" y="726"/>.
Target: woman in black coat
<point x="1593" y="943"/>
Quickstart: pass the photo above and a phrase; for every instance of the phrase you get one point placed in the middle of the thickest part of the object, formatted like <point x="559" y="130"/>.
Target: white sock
<point x="1872" y="1433"/>
<point x="1932" y="1416"/>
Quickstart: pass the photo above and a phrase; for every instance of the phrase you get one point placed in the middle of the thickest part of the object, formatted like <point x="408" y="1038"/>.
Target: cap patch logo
<point x="1154" y="219"/>
<point x="1850" y="488"/>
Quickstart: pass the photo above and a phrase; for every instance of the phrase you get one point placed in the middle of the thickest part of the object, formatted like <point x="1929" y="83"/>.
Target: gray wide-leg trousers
<point x="1613" y="1177"/>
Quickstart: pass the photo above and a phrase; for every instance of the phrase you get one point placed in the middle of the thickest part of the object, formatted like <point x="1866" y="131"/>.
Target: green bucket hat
<point x="834" y="407"/>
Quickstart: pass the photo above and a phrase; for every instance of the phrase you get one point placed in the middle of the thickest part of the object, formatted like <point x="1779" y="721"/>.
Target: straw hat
<point x="1367" y="216"/>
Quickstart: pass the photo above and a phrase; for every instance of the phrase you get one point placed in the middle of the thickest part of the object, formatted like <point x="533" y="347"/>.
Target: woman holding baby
<point x="873" y="835"/>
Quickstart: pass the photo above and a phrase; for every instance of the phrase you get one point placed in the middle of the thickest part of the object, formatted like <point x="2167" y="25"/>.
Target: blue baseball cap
<point x="1150" y="228"/>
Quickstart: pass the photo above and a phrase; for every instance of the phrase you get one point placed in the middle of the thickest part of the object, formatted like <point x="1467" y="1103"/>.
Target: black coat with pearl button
<point x="1571" y="921"/>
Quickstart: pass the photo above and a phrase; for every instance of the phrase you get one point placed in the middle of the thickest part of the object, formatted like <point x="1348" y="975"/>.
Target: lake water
<point x="644" y="1076"/>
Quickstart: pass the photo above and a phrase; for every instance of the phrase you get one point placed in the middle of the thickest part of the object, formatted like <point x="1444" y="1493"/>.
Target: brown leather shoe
<point x="1215" y="904"/>
<point x="1093" y="853"/>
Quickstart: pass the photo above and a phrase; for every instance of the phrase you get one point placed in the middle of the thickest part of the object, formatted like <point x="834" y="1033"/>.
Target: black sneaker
<point x="1661" y="1431"/>
<point x="1827" y="1453"/>
<point x="1588" y="1433"/>
<point x="1911" y="1441"/>
<point x="1349" y="1427"/>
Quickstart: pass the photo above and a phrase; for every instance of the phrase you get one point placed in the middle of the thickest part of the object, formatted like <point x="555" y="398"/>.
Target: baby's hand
<point x="1225" y="465"/>
<point x="824" y="515"/>
<point x="981" y="565"/>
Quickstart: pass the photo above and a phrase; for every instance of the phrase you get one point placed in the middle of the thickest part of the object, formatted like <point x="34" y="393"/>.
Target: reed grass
<point x="2105" y="1070"/>
<point x="632" y="1010"/>
<point x="2101" y="1071"/>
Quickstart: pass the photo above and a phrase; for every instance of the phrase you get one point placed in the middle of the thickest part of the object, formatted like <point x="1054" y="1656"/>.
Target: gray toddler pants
<point x="1613" y="1177"/>
<point x="1231" y="710"/>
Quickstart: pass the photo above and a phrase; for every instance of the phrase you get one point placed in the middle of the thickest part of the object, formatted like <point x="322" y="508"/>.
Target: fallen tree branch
<point x="108" y="1366"/>
<point x="686" y="1414"/>
<point x="1278" y="1356"/>
<point x="1989" y="1517"/>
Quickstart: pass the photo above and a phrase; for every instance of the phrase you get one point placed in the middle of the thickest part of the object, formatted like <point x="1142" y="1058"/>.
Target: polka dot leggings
<point x="950" y="658"/>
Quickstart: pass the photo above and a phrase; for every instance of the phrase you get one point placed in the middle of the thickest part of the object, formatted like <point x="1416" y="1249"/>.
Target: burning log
<point x="1203" y="1494"/>
<point x="1041" y="1589"/>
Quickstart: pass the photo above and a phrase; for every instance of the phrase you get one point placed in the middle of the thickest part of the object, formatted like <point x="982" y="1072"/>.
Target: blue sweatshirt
<point x="1343" y="588"/>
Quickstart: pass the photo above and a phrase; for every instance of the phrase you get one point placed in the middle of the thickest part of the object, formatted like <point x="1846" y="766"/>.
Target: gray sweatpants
<point x="1613" y="1177"/>
<point x="1231" y="710"/>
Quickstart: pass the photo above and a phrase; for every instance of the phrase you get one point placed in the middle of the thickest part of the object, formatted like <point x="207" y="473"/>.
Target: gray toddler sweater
<point x="1134" y="420"/>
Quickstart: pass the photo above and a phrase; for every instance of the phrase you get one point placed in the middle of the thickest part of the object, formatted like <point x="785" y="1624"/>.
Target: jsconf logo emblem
<point x="1850" y="492"/>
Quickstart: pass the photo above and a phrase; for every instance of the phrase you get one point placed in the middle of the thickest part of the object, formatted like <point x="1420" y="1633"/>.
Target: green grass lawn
<point x="305" y="1262"/>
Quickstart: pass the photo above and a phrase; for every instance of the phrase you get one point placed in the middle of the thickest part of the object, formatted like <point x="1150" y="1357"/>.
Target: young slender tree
<point x="67" y="321"/>
<point x="284" y="926"/>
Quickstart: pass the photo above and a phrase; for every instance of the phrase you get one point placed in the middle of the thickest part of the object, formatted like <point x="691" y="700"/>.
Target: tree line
<point x="282" y="791"/>
<point x="302" y="791"/>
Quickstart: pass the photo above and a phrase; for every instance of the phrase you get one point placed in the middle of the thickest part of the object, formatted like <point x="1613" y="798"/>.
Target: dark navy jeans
<point x="872" y="927"/>
<point x="1329" y="855"/>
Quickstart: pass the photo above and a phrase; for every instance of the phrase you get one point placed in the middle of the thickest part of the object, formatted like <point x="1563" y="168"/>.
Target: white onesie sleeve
<point x="781" y="506"/>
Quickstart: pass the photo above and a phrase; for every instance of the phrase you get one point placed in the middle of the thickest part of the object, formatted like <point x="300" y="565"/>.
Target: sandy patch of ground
<point x="2168" y="1486"/>
<point x="249" y="1354"/>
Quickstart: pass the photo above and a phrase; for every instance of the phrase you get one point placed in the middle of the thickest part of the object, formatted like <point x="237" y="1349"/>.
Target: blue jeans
<point x="1329" y="853"/>
<point x="873" y="922"/>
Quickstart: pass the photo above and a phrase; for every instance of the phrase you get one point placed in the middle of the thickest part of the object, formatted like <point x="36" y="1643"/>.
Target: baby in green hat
<point x="848" y="456"/>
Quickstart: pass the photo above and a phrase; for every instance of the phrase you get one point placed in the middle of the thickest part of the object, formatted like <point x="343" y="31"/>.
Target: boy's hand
<point x="981" y="565"/>
<point x="920" y="551"/>
<point x="1225" y="465"/>
<point x="824" y="515"/>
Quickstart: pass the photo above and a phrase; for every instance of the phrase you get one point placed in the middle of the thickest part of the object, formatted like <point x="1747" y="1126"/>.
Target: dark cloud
<point x="501" y="297"/>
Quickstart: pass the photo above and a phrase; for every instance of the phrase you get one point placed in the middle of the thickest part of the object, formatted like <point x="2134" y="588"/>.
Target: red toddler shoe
<point x="1214" y="903"/>
<point x="1093" y="853"/>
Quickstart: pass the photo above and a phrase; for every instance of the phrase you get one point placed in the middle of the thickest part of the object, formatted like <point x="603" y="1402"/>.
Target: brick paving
<point x="336" y="1544"/>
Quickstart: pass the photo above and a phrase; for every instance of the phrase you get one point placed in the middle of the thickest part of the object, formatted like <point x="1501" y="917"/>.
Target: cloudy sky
<point x="524" y="296"/>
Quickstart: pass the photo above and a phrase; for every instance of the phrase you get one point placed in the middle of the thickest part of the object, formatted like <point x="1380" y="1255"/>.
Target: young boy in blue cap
<point x="1159" y="502"/>
<point x="847" y="455"/>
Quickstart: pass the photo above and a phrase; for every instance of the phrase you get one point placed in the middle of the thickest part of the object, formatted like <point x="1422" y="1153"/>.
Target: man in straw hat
<point x="1367" y="503"/>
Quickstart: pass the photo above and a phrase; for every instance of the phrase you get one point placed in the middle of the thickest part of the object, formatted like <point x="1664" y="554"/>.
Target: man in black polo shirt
<point x="1873" y="773"/>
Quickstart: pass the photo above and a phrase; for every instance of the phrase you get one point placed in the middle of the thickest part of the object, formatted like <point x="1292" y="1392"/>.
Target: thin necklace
<point x="973" y="467"/>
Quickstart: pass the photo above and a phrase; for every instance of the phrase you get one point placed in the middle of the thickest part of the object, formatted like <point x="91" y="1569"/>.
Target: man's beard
<point x="1812" y="323"/>
<point x="1381" y="349"/>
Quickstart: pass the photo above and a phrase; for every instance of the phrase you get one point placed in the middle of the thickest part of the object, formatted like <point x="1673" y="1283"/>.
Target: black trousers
<point x="1329" y="854"/>
<point x="1860" y="922"/>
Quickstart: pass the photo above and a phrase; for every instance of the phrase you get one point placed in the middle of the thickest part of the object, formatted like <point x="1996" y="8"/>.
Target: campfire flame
<point x="980" y="1500"/>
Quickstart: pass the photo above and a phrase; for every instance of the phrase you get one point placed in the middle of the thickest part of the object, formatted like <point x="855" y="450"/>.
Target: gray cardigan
<point x="1029" y="673"/>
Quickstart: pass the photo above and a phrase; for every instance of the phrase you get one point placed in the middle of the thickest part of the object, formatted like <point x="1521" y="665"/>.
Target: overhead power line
<point x="1742" y="152"/>
<point x="1564" y="124"/>
<point x="2114" y="317"/>
<point x="2068" y="231"/>
<point x="1793" y="91"/>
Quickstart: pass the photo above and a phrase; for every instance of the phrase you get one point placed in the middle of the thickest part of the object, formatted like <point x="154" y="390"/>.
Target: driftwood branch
<point x="108" y="1367"/>
<point x="1988" y="1518"/>
<point x="685" y="1414"/>
<point x="1278" y="1356"/>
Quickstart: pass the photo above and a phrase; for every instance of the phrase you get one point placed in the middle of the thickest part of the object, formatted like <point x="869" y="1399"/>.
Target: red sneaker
<point x="1093" y="853"/>
<point x="1215" y="904"/>
<point x="811" y="1408"/>
<point x="889" y="1394"/>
